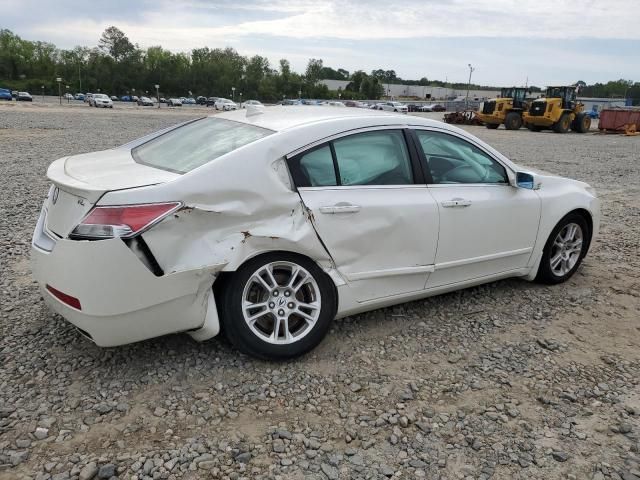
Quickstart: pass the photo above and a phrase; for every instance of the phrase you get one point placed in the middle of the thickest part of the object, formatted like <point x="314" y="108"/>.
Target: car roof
<point x="279" y="118"/>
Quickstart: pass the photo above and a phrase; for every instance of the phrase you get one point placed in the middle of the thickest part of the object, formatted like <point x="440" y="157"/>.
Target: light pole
<point x="59" y="89"/>
<point x="158" y="94"/>
<point x="233" y="93"/>
<point x="299" y="94"/>
<point x="67" y="95"/>
<point x="42" y="93"/>
<point x="471" y="69"/>
<point x="240" y="99"/>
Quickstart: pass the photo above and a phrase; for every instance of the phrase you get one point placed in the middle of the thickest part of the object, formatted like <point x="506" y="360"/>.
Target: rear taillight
<point x="124" y="221"/>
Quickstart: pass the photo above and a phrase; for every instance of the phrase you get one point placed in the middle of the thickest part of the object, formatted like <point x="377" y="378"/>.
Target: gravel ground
<point x="510" y="380"/>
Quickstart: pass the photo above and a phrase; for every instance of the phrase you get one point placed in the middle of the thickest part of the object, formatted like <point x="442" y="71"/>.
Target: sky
<point x="508" y="42"/>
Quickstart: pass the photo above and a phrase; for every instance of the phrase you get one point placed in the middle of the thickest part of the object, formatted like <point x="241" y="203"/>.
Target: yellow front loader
<point x="507" y="109"/>
<point x="558" y="110"/>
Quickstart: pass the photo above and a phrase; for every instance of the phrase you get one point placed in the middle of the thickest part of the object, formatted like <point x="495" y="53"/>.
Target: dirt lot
<point x="510" y="380"/>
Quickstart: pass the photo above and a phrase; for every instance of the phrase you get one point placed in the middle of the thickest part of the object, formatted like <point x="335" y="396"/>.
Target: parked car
<point x="24" y="97"/>
<point x="163" y="100"/>
<point x="376" y="106"/>
<point x="174" y="102"/>
<point x="200" y="100"/>
<point x="68" y="96"/>
<point x="356" y="104"/>
<point x="79" y="96"/>
<point x="211" y="101"/>
<point x="5" y="94"/>
<point x="134" y="98"/>
<point x="251" y="102"/>
<point x="335" y="103"/>
<point x="438" y="108"/>
<point x="125" y="98"/>
<point x="225" y="104"/>
<point x="189" y="101"/>
<point x="114" y="98"/>
<point x="145" y="102"/>
<point x="271" y="252"/>
<point x="412" y="107"/>
<point x="88" y="97"/>
<point x="101" y="100"/>
<point x="14" y="94"/>
<point x="393" y="107"/>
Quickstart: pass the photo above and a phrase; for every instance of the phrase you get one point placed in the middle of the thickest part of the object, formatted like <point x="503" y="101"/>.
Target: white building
<point x="418" y="91"/>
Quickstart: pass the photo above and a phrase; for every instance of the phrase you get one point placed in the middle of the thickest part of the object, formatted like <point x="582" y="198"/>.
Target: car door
<point x="487" y="226"/>
<point x="371" y="209"/>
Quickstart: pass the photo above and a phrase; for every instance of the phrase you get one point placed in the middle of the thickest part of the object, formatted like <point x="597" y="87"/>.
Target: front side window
<point x="196" y="143"/>
<point x="450" y="159"/>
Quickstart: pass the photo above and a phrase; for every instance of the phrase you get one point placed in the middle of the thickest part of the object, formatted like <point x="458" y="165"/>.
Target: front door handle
<point x="456" y="203"/>
<point x="340" y="208"/>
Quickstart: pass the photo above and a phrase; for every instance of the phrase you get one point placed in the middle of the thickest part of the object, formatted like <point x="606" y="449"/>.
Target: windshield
<point x="196" y="143"/>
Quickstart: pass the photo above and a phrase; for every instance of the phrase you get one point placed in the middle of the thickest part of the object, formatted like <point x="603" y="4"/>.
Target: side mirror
<point x="526" y="180"/>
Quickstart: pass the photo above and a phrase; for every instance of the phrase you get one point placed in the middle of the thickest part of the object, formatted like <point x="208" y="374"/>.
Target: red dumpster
<point x="615" y="119"/>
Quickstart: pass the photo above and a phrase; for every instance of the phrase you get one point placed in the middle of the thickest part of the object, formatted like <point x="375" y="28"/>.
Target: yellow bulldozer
<point x="558" y="110"/>
<point x="507" y="109"/>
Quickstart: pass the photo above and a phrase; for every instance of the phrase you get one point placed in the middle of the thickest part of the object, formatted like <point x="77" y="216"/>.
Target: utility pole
<point x="59" y="80"/>
<point x="471" y="69"/>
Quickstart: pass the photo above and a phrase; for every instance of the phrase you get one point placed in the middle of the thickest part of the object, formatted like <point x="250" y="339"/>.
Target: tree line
<point x="117" y="66"/>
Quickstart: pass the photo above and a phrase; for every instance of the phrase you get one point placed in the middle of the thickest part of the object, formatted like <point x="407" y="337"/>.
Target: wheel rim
<point x="566" y="249"/>
<point x="281" y="302"/>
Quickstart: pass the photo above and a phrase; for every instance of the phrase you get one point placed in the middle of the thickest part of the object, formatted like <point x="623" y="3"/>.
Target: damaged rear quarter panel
<point x="236" y="207"/>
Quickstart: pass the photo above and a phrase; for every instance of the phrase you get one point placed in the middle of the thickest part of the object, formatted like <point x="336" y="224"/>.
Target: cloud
<point x="508" y="41"/>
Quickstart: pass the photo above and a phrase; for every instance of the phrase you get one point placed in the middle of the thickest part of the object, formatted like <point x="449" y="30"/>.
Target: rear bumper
<point x="121" y="301"/>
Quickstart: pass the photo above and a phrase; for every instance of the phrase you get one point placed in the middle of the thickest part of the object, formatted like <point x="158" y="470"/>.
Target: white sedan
<point x="394" y="107"/>
<point x="248" y="103"/>
<point x="101" y="100"/>
<point x="225" y="104"/>
<point x="271" y="222"/>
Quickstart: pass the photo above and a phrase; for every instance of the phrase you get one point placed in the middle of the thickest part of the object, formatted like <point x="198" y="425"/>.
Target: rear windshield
<point x="196" y="143"/>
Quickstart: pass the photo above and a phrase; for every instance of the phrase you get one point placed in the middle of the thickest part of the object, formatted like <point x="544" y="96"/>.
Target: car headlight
<point x="591" y="190"/>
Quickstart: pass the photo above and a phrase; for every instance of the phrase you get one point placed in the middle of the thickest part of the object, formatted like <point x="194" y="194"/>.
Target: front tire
<point x="492" y="126"/>
<point x="277" y="306"/>
<point x="513" y="121"/>
<point x="565" y="248"/>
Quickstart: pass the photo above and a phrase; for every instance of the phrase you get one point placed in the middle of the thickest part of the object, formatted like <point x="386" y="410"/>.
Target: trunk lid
<point x="79" y="182"/>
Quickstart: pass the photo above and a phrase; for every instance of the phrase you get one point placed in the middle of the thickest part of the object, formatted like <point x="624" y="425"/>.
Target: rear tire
<point x="513" y="121"/>
<point x="492" y="126"/>
<point x="564" y="250"/>
<point x="582" y="123"/>
<point x="563" y="124"/>
<point x="278" y="320"/>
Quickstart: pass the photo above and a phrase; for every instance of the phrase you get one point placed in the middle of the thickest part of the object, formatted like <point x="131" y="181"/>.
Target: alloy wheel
<point x="566" y="249"/>
<point x="281" y="302"/>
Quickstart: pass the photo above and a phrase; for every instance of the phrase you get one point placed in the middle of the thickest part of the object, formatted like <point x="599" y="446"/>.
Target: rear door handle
<point x="456" y="203"/>
<point x="340" y="208"/>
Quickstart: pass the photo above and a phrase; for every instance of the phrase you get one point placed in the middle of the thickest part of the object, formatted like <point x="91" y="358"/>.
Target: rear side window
<point x="196" y="143"/>
<point x="371" y="158"/>
<point x="317" y="167"/>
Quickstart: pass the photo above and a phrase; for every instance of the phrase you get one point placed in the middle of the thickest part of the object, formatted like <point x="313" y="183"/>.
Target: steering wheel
<point x="465" y="174"/>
